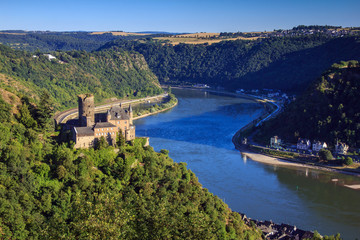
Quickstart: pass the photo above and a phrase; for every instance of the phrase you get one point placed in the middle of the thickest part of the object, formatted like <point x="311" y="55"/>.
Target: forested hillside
<point x="46" y="41"/>
<point x="105" y="73"/>
<point x="328" y="111"/>
<point x="286" y="63"/>
<point x="51" y="191"/>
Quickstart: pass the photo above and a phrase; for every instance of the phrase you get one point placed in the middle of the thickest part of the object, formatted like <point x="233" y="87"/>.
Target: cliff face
<point x="327" y="111"/>
<point x="67" y="74"/>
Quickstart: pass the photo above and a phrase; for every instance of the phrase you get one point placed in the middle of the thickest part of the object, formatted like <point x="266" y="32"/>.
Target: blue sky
<point x="175" y="15"/>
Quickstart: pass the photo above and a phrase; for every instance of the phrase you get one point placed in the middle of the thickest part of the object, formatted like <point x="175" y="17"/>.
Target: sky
<point x="175" y="15"/>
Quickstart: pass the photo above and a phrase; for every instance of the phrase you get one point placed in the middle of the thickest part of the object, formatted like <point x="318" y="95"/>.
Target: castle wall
<point x="130" y="133"/>
<point x="89" y="132"/>
<point x="121" y="124"/>
<point x="84" y="142"/>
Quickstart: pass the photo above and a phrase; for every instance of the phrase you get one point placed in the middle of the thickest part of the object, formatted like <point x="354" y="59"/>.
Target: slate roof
<point x="118" y="113"/>
<point x="84" y="131"/>
<point x="103" y="125"/>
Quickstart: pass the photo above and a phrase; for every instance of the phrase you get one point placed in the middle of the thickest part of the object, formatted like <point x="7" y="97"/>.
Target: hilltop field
<point x="200" y="38"/>
<point x="119" y="33"/>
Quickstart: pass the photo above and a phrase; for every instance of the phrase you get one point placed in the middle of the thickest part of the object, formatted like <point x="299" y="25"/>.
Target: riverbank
<point x="285" y="162"/>
<point x="157" y="111"/>
<point x="281" y="161"/>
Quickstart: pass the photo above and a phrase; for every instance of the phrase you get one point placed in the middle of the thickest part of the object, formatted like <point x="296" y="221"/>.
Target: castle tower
<point x="130" y="112"/>
<point x="86" y="110"/>
<point x="108" y="116"/>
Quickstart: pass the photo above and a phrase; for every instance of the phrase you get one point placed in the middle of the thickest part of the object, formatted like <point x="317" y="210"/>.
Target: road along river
<point x="198" y="131"/>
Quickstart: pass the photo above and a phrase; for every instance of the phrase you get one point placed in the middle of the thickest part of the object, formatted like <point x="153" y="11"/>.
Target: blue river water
<point x="198" y="131"/>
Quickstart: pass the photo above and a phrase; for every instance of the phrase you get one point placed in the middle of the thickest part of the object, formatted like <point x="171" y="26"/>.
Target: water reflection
<point x="199" y="131"/>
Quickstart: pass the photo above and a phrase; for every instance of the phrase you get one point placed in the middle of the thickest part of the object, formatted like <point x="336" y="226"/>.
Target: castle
<point x="89" y="129"/>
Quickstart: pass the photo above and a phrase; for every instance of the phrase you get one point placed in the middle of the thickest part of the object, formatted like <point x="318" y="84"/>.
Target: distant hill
<point x="286" y="63"/>
<point x="103" y="73"/>
<point x="46" y="41"/>
<point x="328" y="111"/>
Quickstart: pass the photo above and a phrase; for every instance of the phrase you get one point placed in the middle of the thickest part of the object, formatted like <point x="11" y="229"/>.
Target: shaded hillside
<point x="51" y="191"/>
<point x="103" y="73"/>
<point x="327" y="111"/>
<point x="296" y="70"/>
<point x="286" y="63"/>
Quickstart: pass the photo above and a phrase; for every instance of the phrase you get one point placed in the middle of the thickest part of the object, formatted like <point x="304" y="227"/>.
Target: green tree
<point x="45" y="110"/>
<point x="348" y="161"/>
<point x="120" y="139"/>
<point x="325" y="154"/>
<point x="25" y="117"/>
<point x="101" y="143"/>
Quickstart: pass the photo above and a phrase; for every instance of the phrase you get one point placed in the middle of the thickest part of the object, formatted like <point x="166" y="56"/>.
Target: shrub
<point x="325" y="154"/>
<point x="348" y="161"/>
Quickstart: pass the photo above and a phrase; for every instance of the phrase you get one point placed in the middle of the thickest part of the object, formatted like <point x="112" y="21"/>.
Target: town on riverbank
<point x="304" y="153"/>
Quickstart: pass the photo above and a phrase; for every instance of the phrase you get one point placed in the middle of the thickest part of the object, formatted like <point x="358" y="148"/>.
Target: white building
<point x="341" y="148"/>
<point x="275" y="142"/>
<point x="317" y="146"/>
<point x="49" y="56"/>
<point x="303" y="144"/>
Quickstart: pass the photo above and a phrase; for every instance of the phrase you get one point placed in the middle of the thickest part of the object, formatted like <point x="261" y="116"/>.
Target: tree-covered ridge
<point x="327" y="111"/>
<point x="286" y="63"/>
<point x="46" y="41"/>
<point x="52" y="191"/>
<point x="104" y="73"/>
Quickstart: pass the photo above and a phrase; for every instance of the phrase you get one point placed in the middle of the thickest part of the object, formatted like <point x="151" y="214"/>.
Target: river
<point x="198" y="131"/>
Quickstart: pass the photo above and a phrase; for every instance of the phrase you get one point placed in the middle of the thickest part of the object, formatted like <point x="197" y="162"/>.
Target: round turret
<point x="86" y="110"/>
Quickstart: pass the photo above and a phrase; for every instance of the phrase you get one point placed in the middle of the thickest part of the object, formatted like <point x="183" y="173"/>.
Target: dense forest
<point x="105" y="73"/>
<point x="286" y="63"/>
<point x="52" y="191"/>
<point x="327" y="111"/>
<point x="46" y="41"/>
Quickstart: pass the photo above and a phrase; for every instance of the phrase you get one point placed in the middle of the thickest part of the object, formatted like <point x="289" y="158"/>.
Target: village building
<point x="341" y="148"/>
<point x="275" y="142"/>
<point x="303" y="144"/>
<point x="317" y="146"/>
<point x="88" y="131"/>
